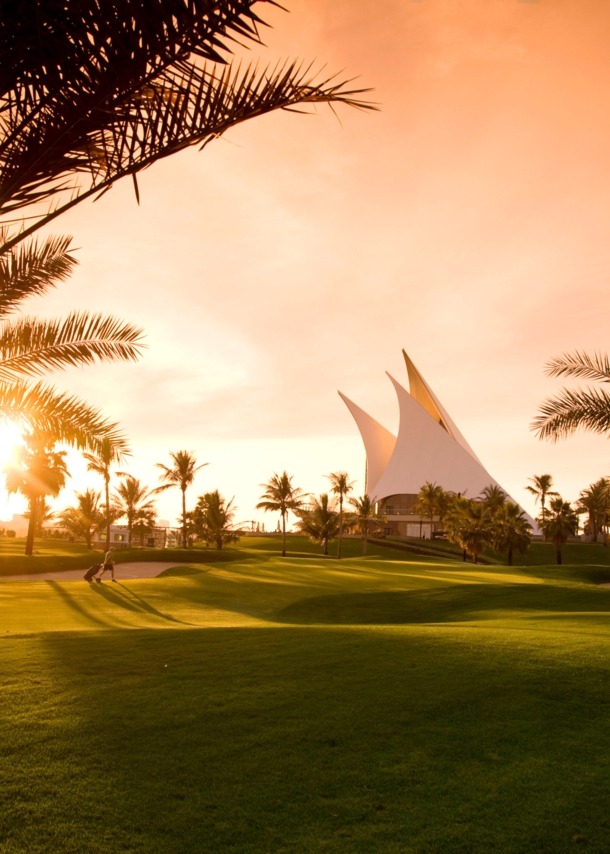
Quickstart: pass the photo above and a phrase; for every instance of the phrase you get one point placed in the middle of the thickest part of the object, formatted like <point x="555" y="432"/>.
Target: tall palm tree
<point x="134" y="501"/>
<point x="280" y="496"/>
<point x="364" y="516"/>
<point x="427" y="503"/>
<point x="89" y="97"/>
<point x="181" y="474"/>
<point x="511" y="530"/>
<point x="494" y="498"/>
<point x="320" y="521"/>
<point x="213" y="520"/>
<point x="35" y="471"/>
<point x="86" y="518"/>
<point x="341" y="486"/>
<point x="31" y="347"/>
<point x="570" y="410"/>
<point x="595" y="502"/>
<point x="110" y="452"/>
<point x="559" y="524"/>
<point x="542" y="487"/>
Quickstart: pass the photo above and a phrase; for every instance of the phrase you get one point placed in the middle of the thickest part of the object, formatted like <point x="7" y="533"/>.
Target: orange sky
<point x="467" y="222"/>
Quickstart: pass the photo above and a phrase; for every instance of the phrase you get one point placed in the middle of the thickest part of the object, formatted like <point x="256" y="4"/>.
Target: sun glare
<point x="9" y="437"/>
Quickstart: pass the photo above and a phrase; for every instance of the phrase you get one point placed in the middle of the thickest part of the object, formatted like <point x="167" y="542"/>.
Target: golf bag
<point x="93" y="570"/>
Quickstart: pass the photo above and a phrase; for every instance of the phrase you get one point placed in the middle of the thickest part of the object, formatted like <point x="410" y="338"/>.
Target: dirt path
<point x="122" y="571"/>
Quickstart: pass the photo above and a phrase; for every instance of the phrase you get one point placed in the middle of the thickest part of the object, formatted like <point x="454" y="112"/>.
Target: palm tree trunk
<point x="464" y="555"/>
<point x="184" y="518"/>
<point x="559" y="556"/>
<point x="365" y="537"/>
<point x="88" y="538"/>
<point x="29" y="543"/>
<point x="283" y="533"/>
<point x="107" y="482"/>
<point x="510" y="557"/>
<point x="326" y="546"/>
<point x="340" y="526"/>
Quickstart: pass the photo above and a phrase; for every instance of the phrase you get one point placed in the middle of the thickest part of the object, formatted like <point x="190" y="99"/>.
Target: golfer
<point x="108" y="565"/>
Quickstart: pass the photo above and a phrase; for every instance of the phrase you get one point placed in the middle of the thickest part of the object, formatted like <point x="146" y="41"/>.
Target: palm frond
<point x="32" y="347"/>
<point x="581" y="365"/>
<point x="32" y="269"/>
<point x="66" y="418"/>
<point x="570" y="410"/>
<point x="185" y="105"/>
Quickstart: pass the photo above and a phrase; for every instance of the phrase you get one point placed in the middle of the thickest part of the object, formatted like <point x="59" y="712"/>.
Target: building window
<point x="119" y="538"/>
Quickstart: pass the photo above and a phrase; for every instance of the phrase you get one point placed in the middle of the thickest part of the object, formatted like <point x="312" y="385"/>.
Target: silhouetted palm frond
<point x="32" y="268"/>
<point x="32" y="347"/>
<point x="187" y="105"/>
<point x="582" y="365"/>
<point x="561" y="416"/>
<point x="44" y="410"/>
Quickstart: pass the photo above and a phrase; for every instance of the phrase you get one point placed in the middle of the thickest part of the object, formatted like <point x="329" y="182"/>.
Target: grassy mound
<point x="261" y="704"/>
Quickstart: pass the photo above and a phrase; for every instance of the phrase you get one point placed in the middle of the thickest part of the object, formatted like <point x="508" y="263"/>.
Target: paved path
<point x="122" y="571"/>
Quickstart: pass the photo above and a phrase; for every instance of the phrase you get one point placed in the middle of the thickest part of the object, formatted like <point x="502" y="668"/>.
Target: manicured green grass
<point x="306" y="705"/>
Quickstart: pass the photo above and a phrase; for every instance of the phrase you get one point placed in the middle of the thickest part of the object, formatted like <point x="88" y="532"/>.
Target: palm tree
<point x="428" y="502"/>
<point x="44" y="513"/>
<point x="86" y="518"/>
<point x="559" y="524"/>
<point x="90" y="97"/>
<point x="364" y="516"/>
<point x="30" y="347"/>
<point x="213" y="520"/>
<point x="340" y="485"/>
<point x="541" y="488"/>
<point x="511" y="530"/>
<point x="320" y="521"/>
<point x="280" y="496"/>
<point x="570" y="410"/>
<point x="494" y="498"/>
<point x="109" y="453"/>
<point x="144" y="522"/>
<point x="469" y="527"/>
<point x="181" y="474"/>
<point x="134" y="501"/>
<point x="595" y="502"/>
<point x="35" y="471"/>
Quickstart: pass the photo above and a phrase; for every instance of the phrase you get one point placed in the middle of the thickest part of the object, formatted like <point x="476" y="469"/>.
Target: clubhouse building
<point x="429" y="448"/>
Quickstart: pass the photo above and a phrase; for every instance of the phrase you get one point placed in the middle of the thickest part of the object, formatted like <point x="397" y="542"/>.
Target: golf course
<point x="245" y="702"/>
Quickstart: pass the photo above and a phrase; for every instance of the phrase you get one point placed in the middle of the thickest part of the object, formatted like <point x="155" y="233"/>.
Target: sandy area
<point x="122" y="572"/>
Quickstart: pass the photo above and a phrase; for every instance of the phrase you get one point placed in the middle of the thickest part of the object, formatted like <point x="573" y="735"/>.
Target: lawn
<point x="260" y="704"/>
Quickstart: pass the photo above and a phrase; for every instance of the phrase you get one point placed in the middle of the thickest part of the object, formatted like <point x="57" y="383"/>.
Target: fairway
<point x="392" y="703"/>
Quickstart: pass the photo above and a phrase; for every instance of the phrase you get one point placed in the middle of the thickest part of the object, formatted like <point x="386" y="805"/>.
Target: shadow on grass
<point x="120" y="594"/>
<point x="455" y="603"/>
<point x="74" y="605"/>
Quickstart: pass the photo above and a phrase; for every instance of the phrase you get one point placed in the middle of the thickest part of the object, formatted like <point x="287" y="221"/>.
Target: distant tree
<point x="493" y="498"/>
<point x="213" y="520"/>
<point x="427" y="503"/>
<point x="144" y="523"/>
<point x="469" y="526"/>
<point x="341" y="486"/>
<point x="181" y="474"/>
<point x="559" y="524"/>
<point x="110" y="452"/>
<point x="86" y="518"/>
<point x="36" y="471"/>
<point x="511" y="531"/>
<point x="280" y="496"/>
<point x="134" y="501"/>
<point x="320" y="521"/>
<point x="364" y="516"/>
<point x="542" y="487"/>
<point x="595" y="502"/>
<point x="571" y="410"/>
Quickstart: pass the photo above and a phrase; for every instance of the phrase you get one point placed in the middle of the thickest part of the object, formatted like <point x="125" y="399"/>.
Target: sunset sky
<point x="467" y="222"/>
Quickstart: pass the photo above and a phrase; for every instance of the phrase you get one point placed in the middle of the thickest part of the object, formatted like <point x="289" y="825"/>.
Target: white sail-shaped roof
<point x="429" y="447"/>
<point x="378" y="443"/>
<point x="426" y="451"/>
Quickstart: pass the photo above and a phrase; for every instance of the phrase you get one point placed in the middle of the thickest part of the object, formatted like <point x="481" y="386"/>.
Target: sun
<point x="10" y="435"/>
